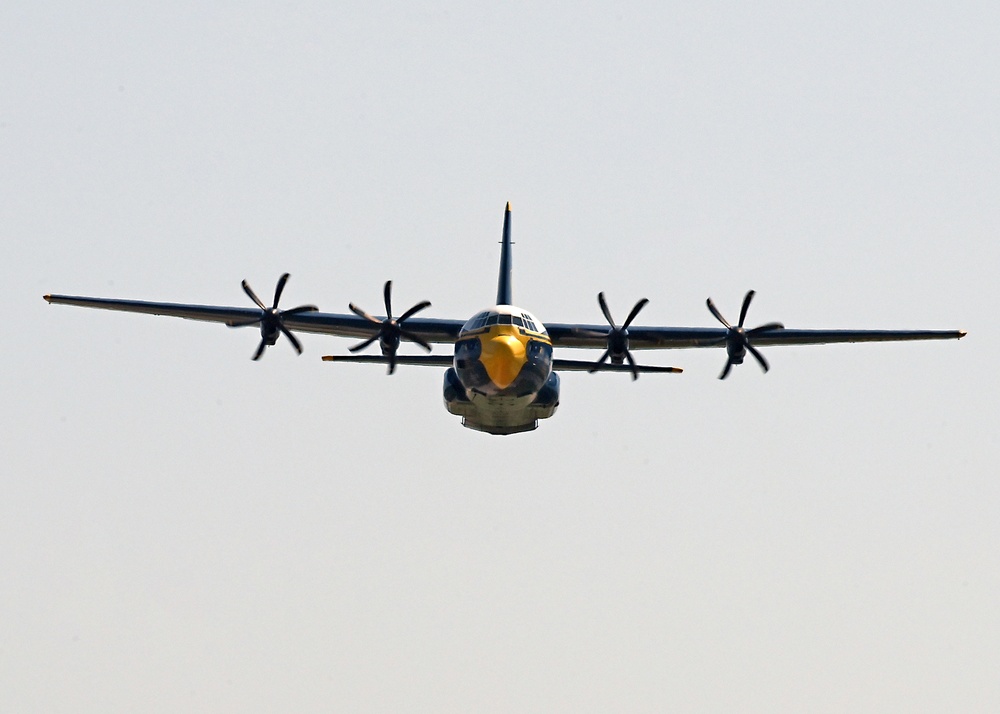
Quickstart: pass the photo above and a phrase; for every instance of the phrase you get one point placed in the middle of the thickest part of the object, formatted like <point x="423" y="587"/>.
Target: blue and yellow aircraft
<point x="502" y="377"/>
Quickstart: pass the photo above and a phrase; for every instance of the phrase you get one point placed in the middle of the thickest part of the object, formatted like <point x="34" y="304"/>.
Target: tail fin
<point x="503" y="284"/>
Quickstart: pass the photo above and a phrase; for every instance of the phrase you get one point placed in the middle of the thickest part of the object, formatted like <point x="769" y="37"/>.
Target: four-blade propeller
<point x="617" y="350"/>
<point x="271" y="319"/>
<point x="390" y="332"/>
<point x="738" y="338"/>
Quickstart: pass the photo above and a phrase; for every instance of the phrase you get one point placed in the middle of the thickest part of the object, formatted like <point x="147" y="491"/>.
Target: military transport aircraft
<point x="502" y="377"/>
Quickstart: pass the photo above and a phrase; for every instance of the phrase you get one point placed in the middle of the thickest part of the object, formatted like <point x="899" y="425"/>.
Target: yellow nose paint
<point x="503" y="356"/>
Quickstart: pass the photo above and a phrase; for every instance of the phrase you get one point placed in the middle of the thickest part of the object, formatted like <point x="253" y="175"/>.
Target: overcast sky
<point x="183" y="529"/>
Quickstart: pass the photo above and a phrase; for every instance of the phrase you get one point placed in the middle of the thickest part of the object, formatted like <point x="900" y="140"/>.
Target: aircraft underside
<point x="497" y="414"/>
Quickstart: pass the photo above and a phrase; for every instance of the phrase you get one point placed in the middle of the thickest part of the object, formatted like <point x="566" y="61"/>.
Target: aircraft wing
<point x="651" y="338"/>
<point x="443" y="331"/>
<point x="324" y="323"/>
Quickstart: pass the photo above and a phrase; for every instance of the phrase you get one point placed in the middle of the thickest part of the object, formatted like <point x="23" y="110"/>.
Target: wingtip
<point x="962" y="333"/>
<point x="329" y="358"/>
<point x="508" y="206"/>
<point x="47" y="298"/>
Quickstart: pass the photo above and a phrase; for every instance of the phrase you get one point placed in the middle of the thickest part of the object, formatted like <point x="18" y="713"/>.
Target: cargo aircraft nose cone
<point x="503" y="356"/>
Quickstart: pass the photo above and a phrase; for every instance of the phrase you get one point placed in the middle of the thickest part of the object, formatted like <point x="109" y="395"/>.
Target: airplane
<point x="502" y="377"/>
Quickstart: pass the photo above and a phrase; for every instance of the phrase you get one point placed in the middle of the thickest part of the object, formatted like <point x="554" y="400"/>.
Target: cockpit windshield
<point x="487" y="318"/>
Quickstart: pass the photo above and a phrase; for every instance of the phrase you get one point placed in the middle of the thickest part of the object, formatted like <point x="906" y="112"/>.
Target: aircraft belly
<point x="498" y="413"/>
<point x="502" y="415"/>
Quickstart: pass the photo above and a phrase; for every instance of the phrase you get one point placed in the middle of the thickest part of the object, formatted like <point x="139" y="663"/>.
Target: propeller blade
<point x="579" y="332"/>
<point x="725" y="370"/>
<point x="746" y="305"/>
<point x="291" y="338"/>
<point x="602" y="360"/>
<point x="604" y="309"/>
<point x="362" y="345"/>
<point x="260" y="350"/>
<point x="415" y="338"/>
<point x="768" y="327"/>
<point x="279" y="288"/>
<point x="387" y="294"/>
<point x="760" y="358"/>
<point x="244" y="323"/>
<point x="392" y="363"/>
<point x="361" y="313"/>
<point x="413" y="311"/>
<point x="635" y="311"/>
<point x="718" y="315"/>
<point x="631" y="363"/>
<point x="299" y="310"/>
<point x="253" y="296"/>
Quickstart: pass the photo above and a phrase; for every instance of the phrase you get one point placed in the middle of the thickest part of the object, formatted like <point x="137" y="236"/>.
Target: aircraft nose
<point x="503" y="356"/>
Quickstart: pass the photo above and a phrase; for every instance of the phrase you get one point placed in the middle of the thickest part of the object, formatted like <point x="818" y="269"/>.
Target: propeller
<point x="738" y="338"/>
<point x="390" y="332"/>
<point x="271" y="319"/>
<point x="617" y="351"/>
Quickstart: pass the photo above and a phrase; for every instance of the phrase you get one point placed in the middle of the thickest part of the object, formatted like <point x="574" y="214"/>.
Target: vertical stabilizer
<point x="503" y="284"/>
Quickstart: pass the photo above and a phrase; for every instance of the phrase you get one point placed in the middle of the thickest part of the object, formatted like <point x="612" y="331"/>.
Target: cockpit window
<point x="488" y="318"/>
<point x="477" y="321"/>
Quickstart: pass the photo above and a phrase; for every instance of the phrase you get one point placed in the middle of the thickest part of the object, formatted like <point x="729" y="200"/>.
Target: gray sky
<point x="185" y="530"/>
